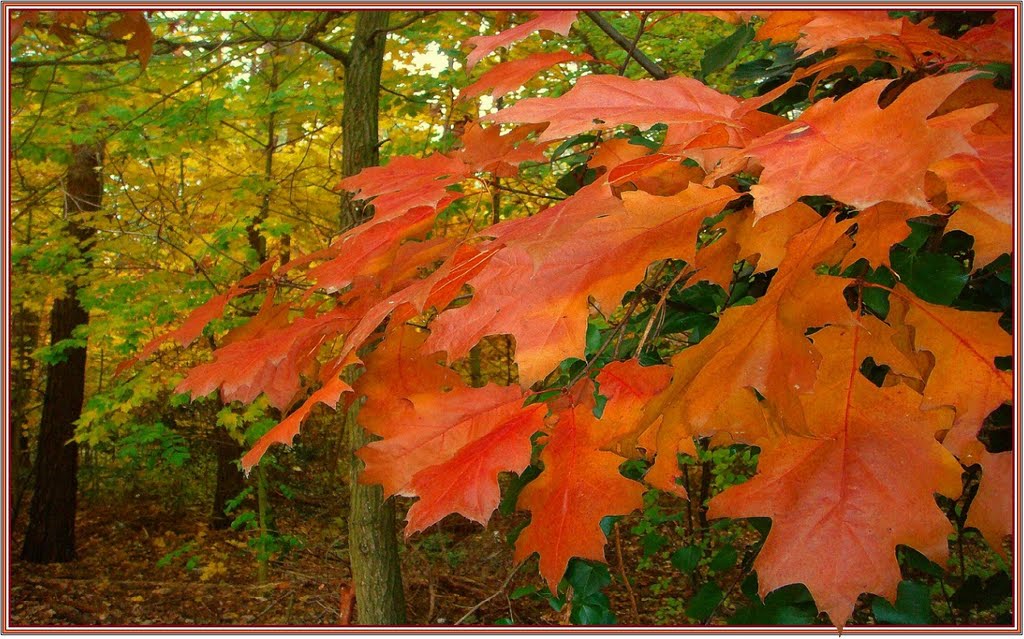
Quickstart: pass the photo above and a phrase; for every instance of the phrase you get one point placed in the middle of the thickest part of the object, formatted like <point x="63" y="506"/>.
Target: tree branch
<point x="649" y="65"/>
<point x="32" y="64"/>
<point x="166" y="46"/>
<point x="403" y="24"/>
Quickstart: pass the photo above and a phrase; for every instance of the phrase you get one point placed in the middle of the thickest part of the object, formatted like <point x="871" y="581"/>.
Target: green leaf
<point x="242" y="520"/>
<point x="913" y="606"/>
<point x="640" y="140"/>
<point x="586" y="578"/>
<point x="977" y="592"/>
<point x="724" y="559"/>
<point x="523" y="591"/>
<point x="916" y="561"/>
<point x="594" y="339"/>
<point x="933" y="277"/>
<point x="652" y="543"/>
<point x="508" y="501"/>
<point x="725" y="51"/>
<point x="576" y="179"/>
<point x="705" y="602"/>
<point x="634" y="469"/>
<point x="586" y="138"/>
<point x="608" y="524"/>
<point x="686" y="558"/>
<point x="877" y="299"/>
<point x="789" y="606"/>
<point x="702" y="296"/>
<point x="595" y="611"/>
<point x="698" y="325"/>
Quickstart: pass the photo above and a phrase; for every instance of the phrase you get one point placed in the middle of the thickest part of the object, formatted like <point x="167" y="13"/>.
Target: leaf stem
<point x="617" y="333"/>
<point x="660" y="306"/>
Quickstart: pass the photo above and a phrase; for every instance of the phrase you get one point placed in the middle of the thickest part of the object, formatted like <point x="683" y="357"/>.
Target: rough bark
<point x="360" y="114"/>
<point x="373" y="544"/>
<point x="50" y="536"/>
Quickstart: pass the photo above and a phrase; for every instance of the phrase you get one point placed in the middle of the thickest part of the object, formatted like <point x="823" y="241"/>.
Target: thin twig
<point x="625" y="579"/>
<point x="405" y="23"/>
<point x="500" y="590"/>
<point x="636" y="40"/>
<point x="659" y="306"/>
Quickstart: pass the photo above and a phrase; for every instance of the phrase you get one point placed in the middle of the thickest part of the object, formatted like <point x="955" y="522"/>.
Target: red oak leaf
<point x="762" y="347"/>
<point x="579" y="486"/>
<point x="442" y="441"/>
<point x="842" y="501"/>
<point x="856" y="152"/>
<point x="513" y="74"/>
<point x="589" y="246"/>
<point x="605" y="102"/>
<point x="965" y="345"/>
<point x="557" y="21"/>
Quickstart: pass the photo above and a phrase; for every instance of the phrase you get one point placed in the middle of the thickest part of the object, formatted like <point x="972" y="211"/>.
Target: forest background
<point x="222" y="138"/>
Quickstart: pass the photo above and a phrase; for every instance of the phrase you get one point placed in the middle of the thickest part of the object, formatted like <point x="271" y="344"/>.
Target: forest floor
<point x="140" y="563"/>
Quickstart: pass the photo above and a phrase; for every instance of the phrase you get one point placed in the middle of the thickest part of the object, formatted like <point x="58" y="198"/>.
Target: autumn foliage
<point x="864" y="397"/>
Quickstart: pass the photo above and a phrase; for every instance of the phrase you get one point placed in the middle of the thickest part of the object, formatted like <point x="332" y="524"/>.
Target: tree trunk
<point x="51" y="529"/>
<point x="24" y="332"/>
<point x="373" y="544"/>
<point x="230" y="480"/>
<point x="360" y="139"/>
<point x="372" y="540"/>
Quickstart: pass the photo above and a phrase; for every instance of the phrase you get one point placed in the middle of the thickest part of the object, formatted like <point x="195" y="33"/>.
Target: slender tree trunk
<point x="24" y="327"/>
<point x="230" y="480"/>
<point x="361" y="111"/>
<point x="258" y="242"/>
<point x="373" y="544"/>
<point x="51" y="529"/>
<point x="263" y="516"/>
<point x="24" y="331"/>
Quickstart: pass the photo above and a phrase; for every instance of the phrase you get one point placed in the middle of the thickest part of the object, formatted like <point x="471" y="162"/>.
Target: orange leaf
<point x="984" y="177"/>
<point x="879" y="228"/>
<point x="992" y="42"/>
<point x="614" y="100"/>
<point x="557" y="21"/>
<point x="628" y="387"/>
<point x="485" y="149"/>
<point x="286" y="430"/>
<point x="991" y="511"/>
<point x="856" y="152"/>
<point x="590" y="245"/>
<point x="272" y="362"/>
<point x="443" y="441"/>
<point x="841" y="502"/>
<point x="992" y="237"/>
<point x="615" y="152"/>
<point x="906" y="43"/>
<point x="762" y="346"/>
<point x="965" y="345"/>
<point x="580" y="485"/>
<point x="197" y="320"/>
<point x="134" y="23"/>
<point x="513" y="74"/>
<point x="405" y="183"/>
